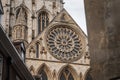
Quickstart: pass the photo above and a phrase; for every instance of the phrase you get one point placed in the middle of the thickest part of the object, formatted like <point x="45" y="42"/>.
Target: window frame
<point x="66" y="75"/>
<point x="43" y="21"/>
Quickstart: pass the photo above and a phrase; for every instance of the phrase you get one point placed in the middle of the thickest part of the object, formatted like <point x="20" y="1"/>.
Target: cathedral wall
<point x="52" y="66"/>
<point x="80" y="66"/>
<point x="25" y="14"/>
<point x="10" y="8"/>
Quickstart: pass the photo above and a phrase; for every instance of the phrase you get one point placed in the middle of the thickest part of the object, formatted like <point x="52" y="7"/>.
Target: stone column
<point x="103" y="24"/>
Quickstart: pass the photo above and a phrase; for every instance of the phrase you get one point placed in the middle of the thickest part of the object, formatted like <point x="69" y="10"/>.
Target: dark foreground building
<point x="103" y="22"/>
<point x="12" y="66"/>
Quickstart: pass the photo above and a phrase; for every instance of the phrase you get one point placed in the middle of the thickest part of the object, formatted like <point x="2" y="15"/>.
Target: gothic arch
<point x="81" y="76"/>
<point x="87" y="75"/>
<point x="43" y="20"/>
<point x="31" y="51"/>
<point x="32" y="70"/>
<point x="54" y="73"/>
<point x="23" y="6"/>
<point x="71" y="70"/>
<point x="21" y="10"/>
<point x="37" y="44"/>
<point x="46" y="69"/>
<point x="43" y="9"/>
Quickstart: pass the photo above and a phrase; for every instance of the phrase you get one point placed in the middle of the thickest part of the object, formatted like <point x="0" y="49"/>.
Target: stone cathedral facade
<point x="56" y="47"/>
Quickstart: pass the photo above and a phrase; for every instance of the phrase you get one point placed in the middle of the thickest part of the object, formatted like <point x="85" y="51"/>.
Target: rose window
<point x="64" y="43"/>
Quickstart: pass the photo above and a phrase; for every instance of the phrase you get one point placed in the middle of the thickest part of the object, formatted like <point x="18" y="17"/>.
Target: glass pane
<point x="66" y="75"/>
<point x="39" y="25"/>
<point x="43" y="75"/>
<point x="62" y="77"/>
<point x="70" y="77"/>
<point x="37" y="50"/>
<point x="43" y="21"/>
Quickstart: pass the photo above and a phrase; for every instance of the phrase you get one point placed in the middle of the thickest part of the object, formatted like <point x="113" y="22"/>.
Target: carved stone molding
<point x="64" y="43"/>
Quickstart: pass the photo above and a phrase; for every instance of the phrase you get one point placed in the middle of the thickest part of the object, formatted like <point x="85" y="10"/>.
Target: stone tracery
<point x="64" y="43"/>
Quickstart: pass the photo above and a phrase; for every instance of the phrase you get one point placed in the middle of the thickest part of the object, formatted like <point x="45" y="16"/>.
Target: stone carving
<point x="43" y="51"/>
<point x="32" y="52"/>
<point x="64" y="43"/>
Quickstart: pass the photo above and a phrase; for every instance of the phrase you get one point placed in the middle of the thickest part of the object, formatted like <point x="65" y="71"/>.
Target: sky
<point x="76" y="9"/>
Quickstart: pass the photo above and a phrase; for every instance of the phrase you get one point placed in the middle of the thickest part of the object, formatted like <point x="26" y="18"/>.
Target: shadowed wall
<point x="103" y="23"/>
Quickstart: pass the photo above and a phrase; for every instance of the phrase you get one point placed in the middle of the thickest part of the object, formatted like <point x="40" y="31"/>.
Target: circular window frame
<point x="74" y="29"/>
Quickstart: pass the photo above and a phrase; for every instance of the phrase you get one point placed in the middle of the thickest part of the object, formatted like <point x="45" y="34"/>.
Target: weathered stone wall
<point x="52" y="7"/>
<point x="104" y="40"/>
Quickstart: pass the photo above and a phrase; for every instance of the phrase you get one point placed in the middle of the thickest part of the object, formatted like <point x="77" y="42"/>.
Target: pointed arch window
<point x="21" y="11"/>
<point x="17" y="13"/>
<point x="66" y="75"/>
<point x="42" y="75"/>
<point x="43" y="21"/>
<point x="32" y="70"/>
<point x="37" y="50"/>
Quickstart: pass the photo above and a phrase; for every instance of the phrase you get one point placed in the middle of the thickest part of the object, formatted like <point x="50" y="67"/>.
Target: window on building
<point x="33" y="34"/>
<point x="1" y="66"/>
<point x="66" y="75"/>
<point x="19" y="13"/>
<point x="37" y="50"/>
<point x="32" y="70"/>
<point x="43" y="75"/>
<point x="43" y="21"/>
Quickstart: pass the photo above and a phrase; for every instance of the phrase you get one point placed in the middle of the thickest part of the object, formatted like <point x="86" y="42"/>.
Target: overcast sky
<point x="76" y="9"/>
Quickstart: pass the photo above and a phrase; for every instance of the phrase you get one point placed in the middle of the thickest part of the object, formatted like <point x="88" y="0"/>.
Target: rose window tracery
<point x="64" y="43"/>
